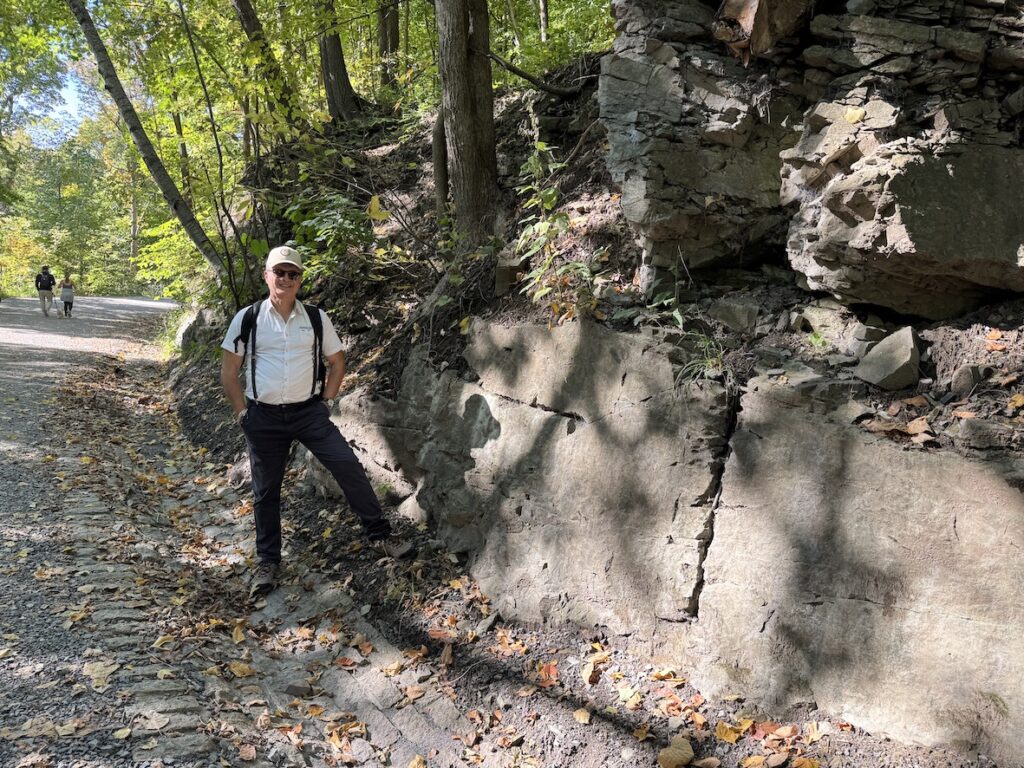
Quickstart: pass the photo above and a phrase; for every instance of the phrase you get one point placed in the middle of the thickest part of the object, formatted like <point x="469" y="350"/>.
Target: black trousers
<point x="270" y="431"/>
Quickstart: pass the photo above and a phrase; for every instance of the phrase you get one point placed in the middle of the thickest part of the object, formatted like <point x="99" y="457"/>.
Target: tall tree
<point x="112" y="83"/>
<point x="341" y="98"/>
<point x="468" y="105"/>
<point x="280" y="93"/>
<point x="387" y="41"/>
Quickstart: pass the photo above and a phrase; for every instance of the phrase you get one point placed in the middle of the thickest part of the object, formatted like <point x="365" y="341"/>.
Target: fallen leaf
<point x="994" y="334"/>
<point x="447" y="655"/>
<point x="413" y="692"/>
<point x="679" y="753"/>
<point x="917" y="401"/>
<point x="731" y="733"/>
<point x="163" y="640"/>
<point x="806" y="762"/>
<point x="964" y="415"/>
<point x="854" y="115"/>
<point x="995" y="346"/>
<point x="418" y="762"/>
<point x="152" y="720"/>
<point x="247" y="752"/>
<point x="238" y="633"/>
<point x="122" y="733"/>
<point x="582" y="716"/>
<point x="643" y="732"/>
<point x="787" y="731"/>
<point x="777" y="760"/>
<point x="1016" y="402"/>
<point x="706" y="762"/>
<point x="754" y="761"/>
<point x="919" y="425"/>
<point x="241" y="669"/>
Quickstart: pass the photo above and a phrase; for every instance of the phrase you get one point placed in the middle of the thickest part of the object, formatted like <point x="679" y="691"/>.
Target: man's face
<point x="283" y="281"/>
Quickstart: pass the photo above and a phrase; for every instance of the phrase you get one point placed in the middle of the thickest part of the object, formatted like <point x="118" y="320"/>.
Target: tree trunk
<point x="439" y="158"/>
<point x="183" y="164"/>
<point x="279" y="93"/>
<point x="387" y="41"/>
<point x="468" y="104"/>
<point x="542" y="11"/>
<point x="341" y="98"/>
<point x="156" y="167"/>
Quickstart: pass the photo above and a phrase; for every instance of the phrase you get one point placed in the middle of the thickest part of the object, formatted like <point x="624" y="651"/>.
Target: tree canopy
<point x="234" y="100"/>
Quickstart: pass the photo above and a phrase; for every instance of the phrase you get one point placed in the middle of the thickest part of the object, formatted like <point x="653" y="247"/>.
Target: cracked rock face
<point x="890" y="597"/>
<point x="886" y="140"/>
<point x="578" y="473"/>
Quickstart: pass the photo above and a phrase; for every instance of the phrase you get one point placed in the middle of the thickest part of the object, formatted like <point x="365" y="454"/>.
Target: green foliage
<point x="566" y="286"/>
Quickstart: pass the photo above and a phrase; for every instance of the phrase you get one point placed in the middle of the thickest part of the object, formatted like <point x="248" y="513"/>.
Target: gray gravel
<point x="41" y="665"/>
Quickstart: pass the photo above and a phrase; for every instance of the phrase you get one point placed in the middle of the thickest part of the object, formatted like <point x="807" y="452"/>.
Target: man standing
<point x="44" y="284"/>
<point x="285" y="400"/>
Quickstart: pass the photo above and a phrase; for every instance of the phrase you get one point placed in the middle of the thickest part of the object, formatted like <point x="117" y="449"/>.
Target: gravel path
<point x="41" y="656"/>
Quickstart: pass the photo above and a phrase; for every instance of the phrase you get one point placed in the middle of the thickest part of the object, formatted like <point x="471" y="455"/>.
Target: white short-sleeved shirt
<point x="284" y="353"/>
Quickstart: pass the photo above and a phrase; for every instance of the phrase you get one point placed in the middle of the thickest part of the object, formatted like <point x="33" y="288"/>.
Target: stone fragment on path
<point x="893" y="363"/>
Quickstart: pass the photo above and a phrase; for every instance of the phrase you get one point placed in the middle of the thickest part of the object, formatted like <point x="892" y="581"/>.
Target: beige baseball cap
<point x="283" y="255"/>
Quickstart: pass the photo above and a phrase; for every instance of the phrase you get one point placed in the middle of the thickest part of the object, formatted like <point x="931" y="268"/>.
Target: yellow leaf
<point x="241" y="669"/>
<point x="86" y="459"/>
<point x="1016" y="402"/>
<point x="854" y="115"/>
<point x="238" y="634"/>
<point x="314" y="710"/>
<point x="464" y="325"/>
<point x="375" y="212"/>
<point x="806" y="762"/>
<point x="122" y="733"/>
<point x="582" y="716"/>
<point x="163" y="640"/>
<point x="731" y="733"/>
<point x="418" y="762"/>
<point x="641" y="733"/>
<point x="165" y="674"/>
<point x="754" y="761"/>
<point x="678" y="754"/>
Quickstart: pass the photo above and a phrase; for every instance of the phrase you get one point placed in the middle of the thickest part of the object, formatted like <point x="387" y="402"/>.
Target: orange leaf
<point x="994" y="334"/>
<point x="964" y="415"/>
<point x="413" y="692"/>
<point x="995" y="346"/>
<point x="918" y="401"/>
<point x="754" y="761"/>
<point x="917" y="426"/>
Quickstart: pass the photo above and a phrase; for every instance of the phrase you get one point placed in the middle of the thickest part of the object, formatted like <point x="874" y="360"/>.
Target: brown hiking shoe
<point x="264" y="579"/>
<point x="396" y="547"/>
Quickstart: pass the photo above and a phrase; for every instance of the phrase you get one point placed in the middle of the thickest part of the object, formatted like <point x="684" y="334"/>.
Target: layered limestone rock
<point x="870" y="138"/>
<point x="694" y="139"/>
<point x="882" y="584"/>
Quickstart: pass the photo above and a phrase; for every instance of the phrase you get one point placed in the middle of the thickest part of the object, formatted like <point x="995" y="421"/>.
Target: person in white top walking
<point x="286" y="399"/>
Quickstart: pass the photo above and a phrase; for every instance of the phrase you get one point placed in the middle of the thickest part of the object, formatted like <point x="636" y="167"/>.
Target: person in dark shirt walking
<point x="44" y="284"/>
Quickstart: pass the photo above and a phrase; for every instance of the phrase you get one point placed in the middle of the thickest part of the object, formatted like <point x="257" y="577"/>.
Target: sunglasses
<point x="291" y="274"/>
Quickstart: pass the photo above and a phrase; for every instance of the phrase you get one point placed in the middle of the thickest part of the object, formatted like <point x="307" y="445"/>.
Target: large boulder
<point x="924" y="234"/>
<point x="883" y="584"/>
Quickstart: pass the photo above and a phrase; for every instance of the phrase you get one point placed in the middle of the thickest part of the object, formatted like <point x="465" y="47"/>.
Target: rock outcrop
<point x="886" y="140"/>
<point x="882" y="584"/>
<point x="582" y="476"/>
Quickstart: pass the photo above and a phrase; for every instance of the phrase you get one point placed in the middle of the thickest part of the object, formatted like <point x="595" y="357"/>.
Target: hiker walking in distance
<point x="280" y="344"/>
<point x="67" y="294"/>
<point x="44" y="284"/>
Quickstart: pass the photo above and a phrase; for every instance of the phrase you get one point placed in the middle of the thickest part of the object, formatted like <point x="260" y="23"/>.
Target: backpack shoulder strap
<point x="319" y="369"/>
<point x="247" y="335"/>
